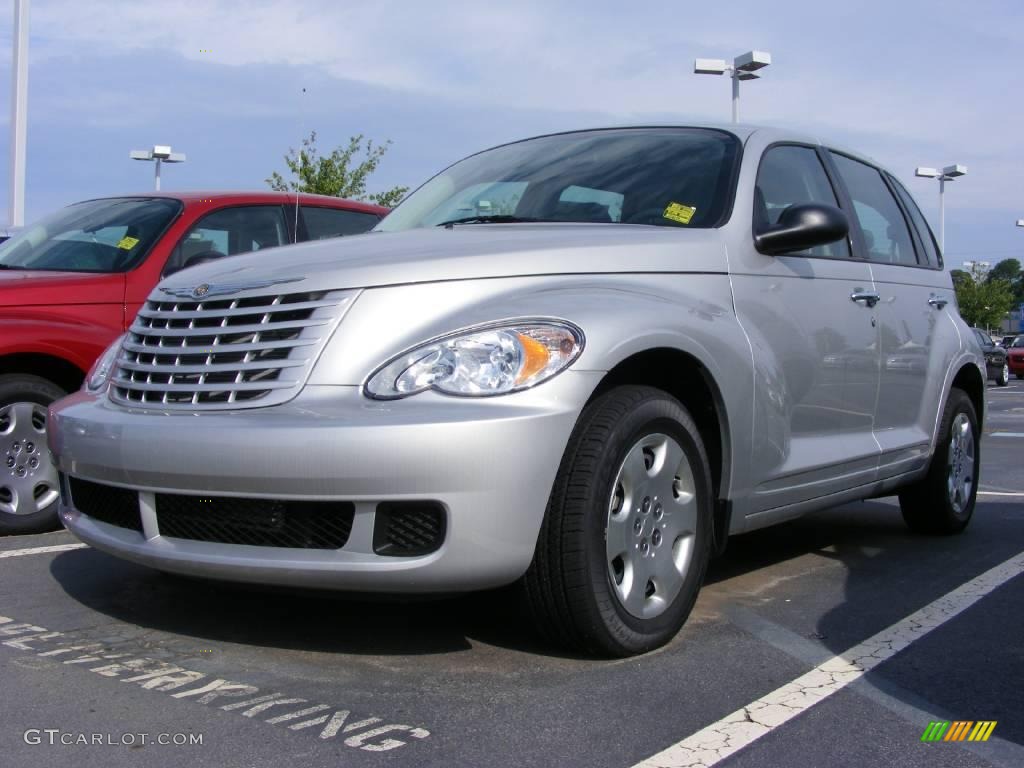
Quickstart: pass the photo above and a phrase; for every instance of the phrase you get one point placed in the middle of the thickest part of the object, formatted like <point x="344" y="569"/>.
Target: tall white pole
<point x="156" y="176"/>
<point x="942" y="214"/>
<point x="735" y="98"/>
<point x="19" y="113"/>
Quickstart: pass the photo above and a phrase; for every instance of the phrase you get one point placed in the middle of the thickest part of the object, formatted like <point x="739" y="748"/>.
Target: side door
<point x="228" y="232"/>
<point x="814" y="345"/>
<point x="322" y="223"/>
<point x="917" y="335"/>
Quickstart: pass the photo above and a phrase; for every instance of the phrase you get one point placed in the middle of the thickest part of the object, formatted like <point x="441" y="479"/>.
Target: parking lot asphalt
<point x="93" y="645"/>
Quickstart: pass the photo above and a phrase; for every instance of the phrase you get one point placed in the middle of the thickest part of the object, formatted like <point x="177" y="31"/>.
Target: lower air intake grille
<point x="115" y="506"/>
<point x="408" y="528"/>
<point x="256" y="522"/>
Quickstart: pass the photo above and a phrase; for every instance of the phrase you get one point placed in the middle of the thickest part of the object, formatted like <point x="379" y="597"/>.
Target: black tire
<point x="1004" y="376"/>
<point x="926" y="505"/>
<point x="568" y="586"/>
<point x="24" y="388"/>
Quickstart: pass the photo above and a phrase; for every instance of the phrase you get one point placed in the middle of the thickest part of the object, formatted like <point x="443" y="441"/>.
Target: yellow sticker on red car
<point x="679" y="212"/>
<point x="127" y="243"/>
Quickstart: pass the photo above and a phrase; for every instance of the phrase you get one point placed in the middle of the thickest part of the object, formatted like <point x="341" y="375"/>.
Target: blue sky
<point x="909" y="83"/>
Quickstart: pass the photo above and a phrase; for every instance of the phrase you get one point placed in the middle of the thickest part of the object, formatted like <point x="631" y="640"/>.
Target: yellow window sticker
<point x="127" y="243"/>
<point x="679" y="212"/>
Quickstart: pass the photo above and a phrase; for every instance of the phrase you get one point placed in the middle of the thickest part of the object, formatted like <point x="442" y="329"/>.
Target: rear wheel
<point x="943" y="501"/>
<point x="28" y="479"/>
<point x="1004" y="376"/>
<point x="627" y="534"/>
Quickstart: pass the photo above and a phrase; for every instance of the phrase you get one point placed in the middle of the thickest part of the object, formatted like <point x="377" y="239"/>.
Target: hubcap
<point x="1006" y="371"/>
<point x="28" y="479"/>
<point x="960" y="480"/>
<point x="652" y="520"/>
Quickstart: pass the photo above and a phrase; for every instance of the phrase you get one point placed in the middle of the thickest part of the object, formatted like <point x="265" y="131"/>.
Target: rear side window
<point x="323" y="223"/>
<point x="887" y="238"/>
<point x="931" y="248"/>
<point x="791" y="175"/>
<point x="229" y="231"/>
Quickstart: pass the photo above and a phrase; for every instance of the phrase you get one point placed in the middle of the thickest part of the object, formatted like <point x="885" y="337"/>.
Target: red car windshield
<point x="111" y="235"/>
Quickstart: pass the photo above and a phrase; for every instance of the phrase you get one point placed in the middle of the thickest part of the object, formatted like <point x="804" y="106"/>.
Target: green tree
<point x="342" y="173"/>
<point x="983" y="300"/>
<point x="1007" y="269"/>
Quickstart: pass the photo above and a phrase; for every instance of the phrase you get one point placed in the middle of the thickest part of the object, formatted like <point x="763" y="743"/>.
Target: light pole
<point x="161" y="154"/>
<point x="19" y="113"/>
<point x="948" y="173"/>
<point x="743" y="67"/>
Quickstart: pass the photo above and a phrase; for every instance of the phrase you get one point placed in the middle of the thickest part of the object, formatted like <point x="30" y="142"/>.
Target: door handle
<point x="870" y="298"/>
<point x="938" y="301"/>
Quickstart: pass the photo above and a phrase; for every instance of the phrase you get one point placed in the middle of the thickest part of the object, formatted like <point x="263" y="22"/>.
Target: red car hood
<point x="31" y="288"/>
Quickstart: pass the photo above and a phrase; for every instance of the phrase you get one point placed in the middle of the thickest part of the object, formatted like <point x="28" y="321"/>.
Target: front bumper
<point x="490" y="463"/>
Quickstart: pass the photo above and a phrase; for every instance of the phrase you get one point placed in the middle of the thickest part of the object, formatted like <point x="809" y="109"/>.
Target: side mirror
<point x="801" y="227"/>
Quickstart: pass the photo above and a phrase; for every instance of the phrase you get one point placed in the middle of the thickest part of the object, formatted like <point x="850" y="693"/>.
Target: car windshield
<point x="669" y="177"/>
<point x="110" y="235"/>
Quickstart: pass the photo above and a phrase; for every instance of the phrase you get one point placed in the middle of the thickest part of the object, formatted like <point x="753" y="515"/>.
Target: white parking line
<point x="1001" y="493"/>
<point x="1007" y="434"/>
<point x="745" y="726"/>
<point x="40" y="550"/>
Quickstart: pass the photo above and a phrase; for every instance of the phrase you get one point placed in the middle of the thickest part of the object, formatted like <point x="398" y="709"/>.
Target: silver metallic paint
<point x="753" y="322"/>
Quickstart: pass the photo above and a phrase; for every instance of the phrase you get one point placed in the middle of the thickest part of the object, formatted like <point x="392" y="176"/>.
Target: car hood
<point x="468" y="252"/>
<point x="34" y="288"/>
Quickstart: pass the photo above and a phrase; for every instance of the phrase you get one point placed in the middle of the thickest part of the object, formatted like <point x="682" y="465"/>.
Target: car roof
<point x="742" y="131"/>
<point x="259" y="197"/>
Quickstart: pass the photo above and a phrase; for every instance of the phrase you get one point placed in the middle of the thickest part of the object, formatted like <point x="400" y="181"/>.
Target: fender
<point x="72" y="340"/>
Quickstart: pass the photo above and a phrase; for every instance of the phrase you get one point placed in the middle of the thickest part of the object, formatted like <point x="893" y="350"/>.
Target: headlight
<point x="476" y="362"/>
<point x="101" y="370"/>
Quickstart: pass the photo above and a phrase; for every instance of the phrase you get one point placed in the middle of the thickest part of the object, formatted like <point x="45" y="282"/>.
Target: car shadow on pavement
<point x="307" y="620"/>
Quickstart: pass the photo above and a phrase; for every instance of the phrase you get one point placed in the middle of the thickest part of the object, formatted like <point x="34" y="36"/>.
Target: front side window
<point x="669" y="177"/>
<point x="886" y="237"/>
<point x="793" y="175"/>
<point x="227" y="232"/>
<point x="112" y="235"/>
<point x="324" y="223"/>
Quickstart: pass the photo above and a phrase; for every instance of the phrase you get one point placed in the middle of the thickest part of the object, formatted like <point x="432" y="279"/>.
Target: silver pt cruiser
<point x="580" y="361"/>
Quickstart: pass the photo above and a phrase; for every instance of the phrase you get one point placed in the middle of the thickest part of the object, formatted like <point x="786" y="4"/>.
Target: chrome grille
<point x="224" y="353"/>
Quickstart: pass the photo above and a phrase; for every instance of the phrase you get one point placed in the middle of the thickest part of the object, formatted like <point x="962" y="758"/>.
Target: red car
<point x="71" y="283"/>
<point x="1015" y="356"/>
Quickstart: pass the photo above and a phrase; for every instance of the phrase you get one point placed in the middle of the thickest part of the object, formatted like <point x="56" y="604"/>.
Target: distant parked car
<point x="1006" y="341"/>
<point x="1015" y="357"/>
<point x="72" y="283"/>
<point x="995" y="358"/>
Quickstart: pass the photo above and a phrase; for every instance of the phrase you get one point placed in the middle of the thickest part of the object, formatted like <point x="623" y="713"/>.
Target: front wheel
<point x="28" y="479"/>
<point x="1004" y="376"/>
<point x="627" y="533"/>
<point x="943" y="501"/>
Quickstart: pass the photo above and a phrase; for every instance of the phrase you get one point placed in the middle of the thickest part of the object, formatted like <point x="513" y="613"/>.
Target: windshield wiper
<point x="487" y="219"/>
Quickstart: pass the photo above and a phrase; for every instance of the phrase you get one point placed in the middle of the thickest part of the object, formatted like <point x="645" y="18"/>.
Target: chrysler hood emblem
<point x="206" y="290"/>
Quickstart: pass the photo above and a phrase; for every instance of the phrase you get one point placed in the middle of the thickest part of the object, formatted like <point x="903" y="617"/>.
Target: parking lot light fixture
<point x="743" y="67"/>
<point x="1020" y="222"/>
<point x="160" y="153"/>
<point x="949" y="173"/>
